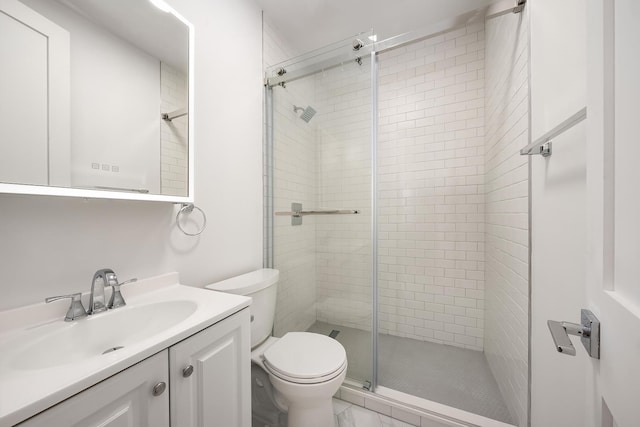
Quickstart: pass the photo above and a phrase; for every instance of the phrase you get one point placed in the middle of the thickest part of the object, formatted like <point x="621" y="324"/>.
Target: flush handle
<point x="588" y="330"/>
<point x="186" y="372"/>
<point x="159" y="388"/>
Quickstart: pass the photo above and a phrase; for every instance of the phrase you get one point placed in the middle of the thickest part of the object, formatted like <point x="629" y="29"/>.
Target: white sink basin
<point x="102" y="333"/>
<point x="44" y="360"/>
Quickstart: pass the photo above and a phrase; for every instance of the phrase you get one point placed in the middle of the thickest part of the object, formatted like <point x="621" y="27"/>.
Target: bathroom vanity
<point x="173" y="356"/>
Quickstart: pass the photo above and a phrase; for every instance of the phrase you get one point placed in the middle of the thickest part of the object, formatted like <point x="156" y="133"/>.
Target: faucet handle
<point x="76" y="309"/>
<point x="116" y="299"/>
<point x="110" y="278"/>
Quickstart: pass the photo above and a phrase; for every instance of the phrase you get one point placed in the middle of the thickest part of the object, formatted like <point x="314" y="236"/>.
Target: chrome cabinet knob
<point x="159" y="388"/>
<point x="186" y="372"/>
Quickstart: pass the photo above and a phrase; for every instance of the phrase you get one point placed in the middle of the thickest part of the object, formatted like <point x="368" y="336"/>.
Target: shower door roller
<point x="588" y="330"/>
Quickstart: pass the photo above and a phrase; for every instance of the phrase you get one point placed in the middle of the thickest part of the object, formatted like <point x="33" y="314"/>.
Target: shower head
<point x="307" y="113"/>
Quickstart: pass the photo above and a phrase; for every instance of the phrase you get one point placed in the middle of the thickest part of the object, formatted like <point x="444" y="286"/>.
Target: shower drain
<point x="109" y="350"/>
<point x="334" y="333"/>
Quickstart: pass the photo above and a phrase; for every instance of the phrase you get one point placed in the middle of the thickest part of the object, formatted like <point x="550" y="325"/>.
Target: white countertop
<point x="25" y="391"/>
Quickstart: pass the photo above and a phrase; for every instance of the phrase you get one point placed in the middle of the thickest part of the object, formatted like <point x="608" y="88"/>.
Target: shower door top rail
<point x="341" y="52"/>
<point x="326" y="58"/>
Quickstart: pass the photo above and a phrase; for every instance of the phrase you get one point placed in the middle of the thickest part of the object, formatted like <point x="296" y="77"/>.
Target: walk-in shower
<point x="426" y="287"/>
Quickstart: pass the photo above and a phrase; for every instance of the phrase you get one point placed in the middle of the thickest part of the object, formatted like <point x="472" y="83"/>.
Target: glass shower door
<point x="321" y="167"/>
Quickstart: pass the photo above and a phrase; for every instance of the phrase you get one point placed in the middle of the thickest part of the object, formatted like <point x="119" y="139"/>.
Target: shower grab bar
<point x="542" y="145"/>
<point x="297" y="213"/>
<point x="175" y="114"/>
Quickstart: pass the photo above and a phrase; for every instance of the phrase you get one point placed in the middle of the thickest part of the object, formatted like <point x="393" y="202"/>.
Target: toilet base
<point x="310" y="405"/>
<point x="319" y="415"/>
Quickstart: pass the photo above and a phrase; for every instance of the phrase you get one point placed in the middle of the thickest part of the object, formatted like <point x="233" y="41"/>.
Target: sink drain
<point x="109" y="350"/>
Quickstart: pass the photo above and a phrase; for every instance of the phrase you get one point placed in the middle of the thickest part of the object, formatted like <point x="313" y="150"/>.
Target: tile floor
<point x="348" y="415"/>
<point x="449" y="375"/>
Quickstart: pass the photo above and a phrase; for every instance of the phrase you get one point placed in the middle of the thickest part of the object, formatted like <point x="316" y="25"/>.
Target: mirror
<point x="95" y="99"/>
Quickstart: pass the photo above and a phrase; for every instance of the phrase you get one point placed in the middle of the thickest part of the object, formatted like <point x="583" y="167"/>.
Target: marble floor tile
<point x="348" y="415"/>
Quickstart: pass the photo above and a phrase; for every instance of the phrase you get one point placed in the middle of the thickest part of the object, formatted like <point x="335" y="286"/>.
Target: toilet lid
<point x="306" y="355"/>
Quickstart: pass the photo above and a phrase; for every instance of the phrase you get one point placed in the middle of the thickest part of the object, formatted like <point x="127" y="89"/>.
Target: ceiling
<point x="310" y="24"/>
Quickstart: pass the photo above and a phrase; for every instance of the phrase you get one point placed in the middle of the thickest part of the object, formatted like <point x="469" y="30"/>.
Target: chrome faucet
<point x="101" y="279"/>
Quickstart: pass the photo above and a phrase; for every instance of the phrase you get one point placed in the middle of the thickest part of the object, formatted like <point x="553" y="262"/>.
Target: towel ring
<point x="188" y="208"/>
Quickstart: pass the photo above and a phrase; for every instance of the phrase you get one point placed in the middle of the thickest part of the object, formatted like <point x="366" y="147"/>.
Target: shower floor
<point x="445" y="374"/>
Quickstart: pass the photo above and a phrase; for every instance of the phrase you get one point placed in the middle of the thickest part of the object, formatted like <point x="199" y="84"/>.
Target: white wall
<point x="507" y="241"/>
<point x="558" y="191"/>
<point x="51" y="246"/>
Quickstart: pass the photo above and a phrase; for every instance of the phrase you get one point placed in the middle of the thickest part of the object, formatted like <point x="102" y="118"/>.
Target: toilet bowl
<point x="304" y="369"/>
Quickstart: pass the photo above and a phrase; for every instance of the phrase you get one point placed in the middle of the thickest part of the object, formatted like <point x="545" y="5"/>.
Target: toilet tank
<point x="261" y="285"/>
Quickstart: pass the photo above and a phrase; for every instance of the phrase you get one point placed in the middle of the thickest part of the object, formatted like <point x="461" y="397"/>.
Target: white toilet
<point x="305" y="369"/>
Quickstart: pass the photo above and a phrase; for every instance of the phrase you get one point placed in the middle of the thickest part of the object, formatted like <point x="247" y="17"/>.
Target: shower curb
<point x="409" y="413"/>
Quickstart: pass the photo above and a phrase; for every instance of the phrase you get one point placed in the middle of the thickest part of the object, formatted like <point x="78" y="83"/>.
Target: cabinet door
<point x="124" y="400"/>
<point x="217" y="391"/>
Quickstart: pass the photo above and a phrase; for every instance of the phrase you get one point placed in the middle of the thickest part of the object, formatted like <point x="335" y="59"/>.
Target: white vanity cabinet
<point x="203" y="381"/>
<point x="210" y="376"/>
<point x="123" y="400"/>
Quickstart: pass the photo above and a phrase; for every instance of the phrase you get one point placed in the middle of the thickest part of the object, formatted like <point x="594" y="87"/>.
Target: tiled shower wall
<point x="431" y="189"/>
<point x="294" y="181"/>
<point x="507" y="290"/>
<point x="343" y="246"/>
<point x="431" y="194"/>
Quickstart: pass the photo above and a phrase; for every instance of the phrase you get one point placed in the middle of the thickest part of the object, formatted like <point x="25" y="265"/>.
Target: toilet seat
<point x="273" y="371"/>
<point x="305" y="358"/>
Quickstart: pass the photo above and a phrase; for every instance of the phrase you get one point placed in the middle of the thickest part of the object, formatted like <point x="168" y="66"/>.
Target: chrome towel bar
<point x="321" y="212"/>
<point x="297" y="213"/>
<point x="542" y="145"/>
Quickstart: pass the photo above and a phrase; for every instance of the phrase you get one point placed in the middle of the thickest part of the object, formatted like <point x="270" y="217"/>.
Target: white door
<point x="586" y="210"/>
<point x="34" y="98"/>
<point x="613" y="202"/>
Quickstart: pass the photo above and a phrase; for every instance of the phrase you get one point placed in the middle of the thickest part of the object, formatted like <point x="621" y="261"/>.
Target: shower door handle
<point x="588" y="331"/>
